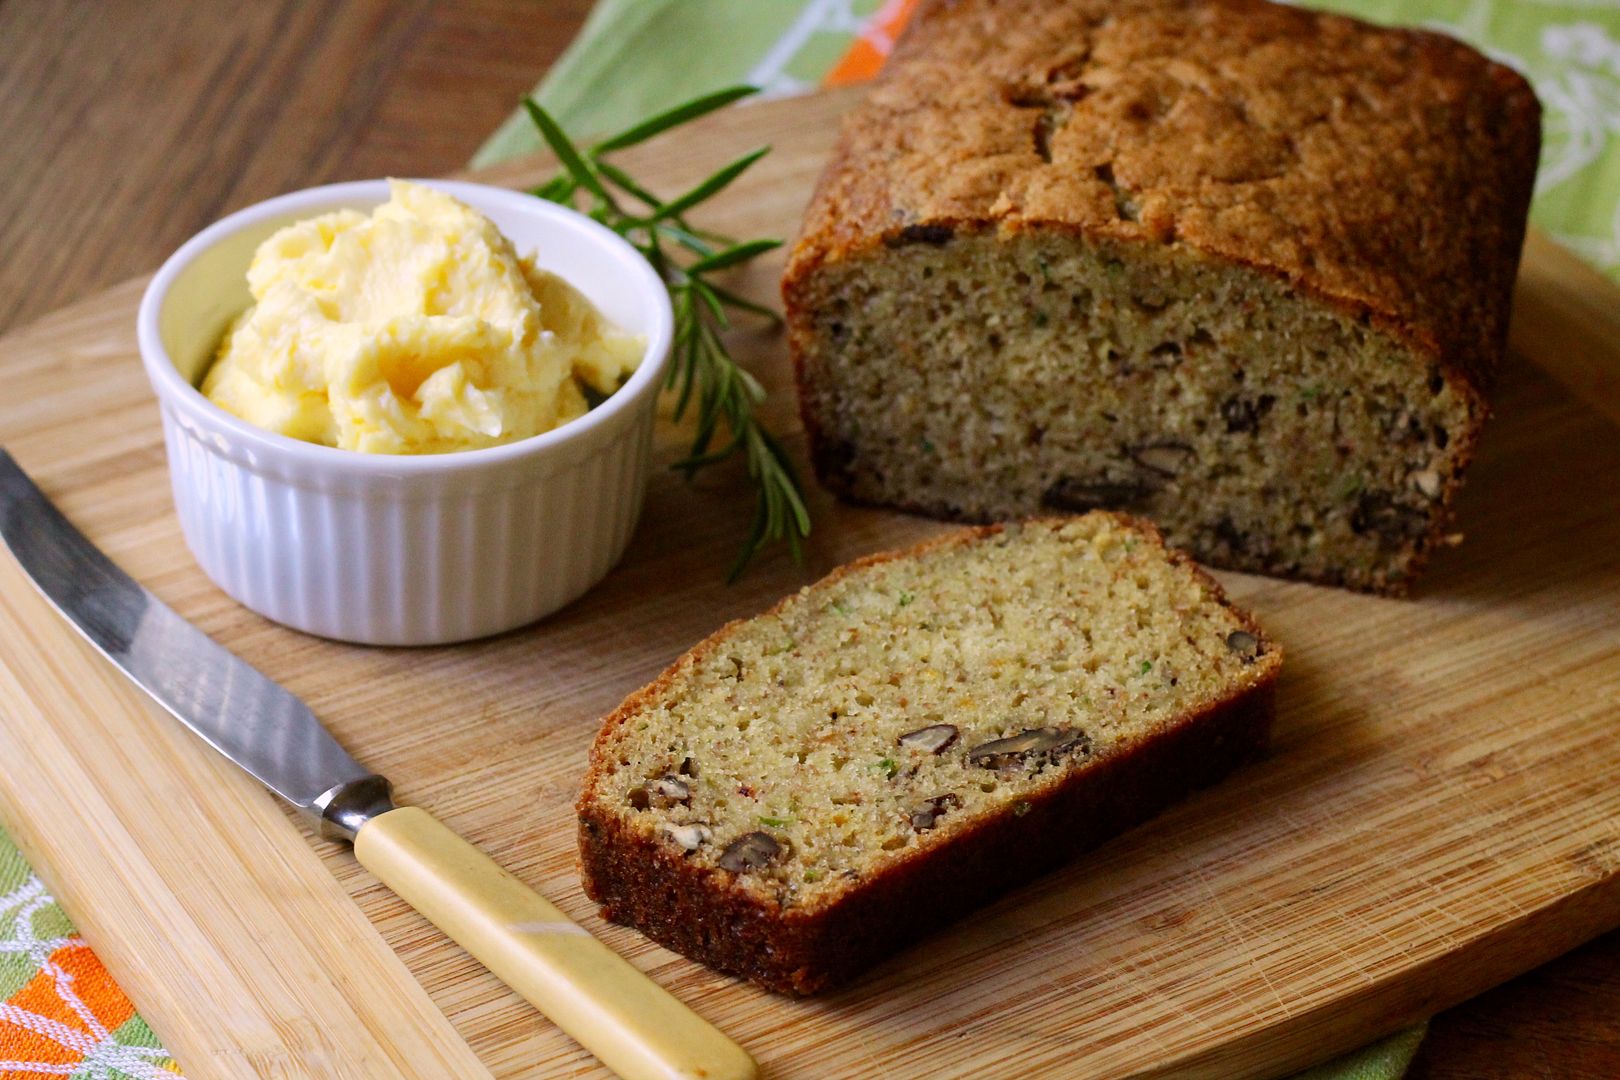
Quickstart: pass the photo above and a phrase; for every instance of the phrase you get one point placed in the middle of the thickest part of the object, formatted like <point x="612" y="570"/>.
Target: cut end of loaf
<point x="983" y="375"/>
<point x="908" y="719"/>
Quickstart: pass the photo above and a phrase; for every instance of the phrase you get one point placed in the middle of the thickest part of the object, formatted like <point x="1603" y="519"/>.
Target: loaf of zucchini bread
<point x="1240" y="267"/>
<point x="814" y="788"/>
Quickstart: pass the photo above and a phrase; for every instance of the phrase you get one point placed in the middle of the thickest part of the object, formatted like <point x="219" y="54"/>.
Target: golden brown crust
<point x="1385" y="171"/>
<point x="702" y="913"/>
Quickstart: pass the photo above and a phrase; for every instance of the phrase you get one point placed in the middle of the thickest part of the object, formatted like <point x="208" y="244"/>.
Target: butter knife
<point x="634" y="1026"/>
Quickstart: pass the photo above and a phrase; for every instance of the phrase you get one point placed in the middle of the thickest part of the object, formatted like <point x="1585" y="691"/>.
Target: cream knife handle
<point x="633" y="1025"/>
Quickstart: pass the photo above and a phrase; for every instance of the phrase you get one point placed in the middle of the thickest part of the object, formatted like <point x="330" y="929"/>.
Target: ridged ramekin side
<point x="425" y="560"/>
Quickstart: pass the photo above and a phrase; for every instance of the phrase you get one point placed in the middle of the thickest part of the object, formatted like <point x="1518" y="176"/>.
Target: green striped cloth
<point x="61" y="1014"/>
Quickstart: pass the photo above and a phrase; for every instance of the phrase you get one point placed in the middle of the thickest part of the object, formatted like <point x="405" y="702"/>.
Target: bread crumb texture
<point x="1240" y="267"/>
<point x="876" y="715"/>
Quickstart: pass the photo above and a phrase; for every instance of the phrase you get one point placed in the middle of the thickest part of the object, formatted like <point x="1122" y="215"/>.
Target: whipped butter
<point x="415" y="329"/>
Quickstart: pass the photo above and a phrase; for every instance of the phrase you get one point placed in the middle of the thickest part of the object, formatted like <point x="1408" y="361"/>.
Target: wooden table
<point x="125" y="126"/>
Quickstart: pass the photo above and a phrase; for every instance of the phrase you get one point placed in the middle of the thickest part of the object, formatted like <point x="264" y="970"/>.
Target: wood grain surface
<point x="114" y="154"/>
<point x="1437" y="817"/>
<point x="128" y="125"/>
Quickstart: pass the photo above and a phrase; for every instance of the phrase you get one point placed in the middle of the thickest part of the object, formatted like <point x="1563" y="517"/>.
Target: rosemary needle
<point x="704" y="374"/>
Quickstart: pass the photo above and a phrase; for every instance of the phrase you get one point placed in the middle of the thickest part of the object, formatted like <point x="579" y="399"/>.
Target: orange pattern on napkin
<point x="63" y="1015"/>
<point x="872" y="45"/>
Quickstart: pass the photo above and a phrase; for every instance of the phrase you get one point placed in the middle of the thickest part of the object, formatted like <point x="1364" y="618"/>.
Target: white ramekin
<point x="402" y="550"/>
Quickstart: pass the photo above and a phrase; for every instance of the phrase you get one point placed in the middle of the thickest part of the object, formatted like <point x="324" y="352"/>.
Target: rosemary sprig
<point x="704" y="373"/>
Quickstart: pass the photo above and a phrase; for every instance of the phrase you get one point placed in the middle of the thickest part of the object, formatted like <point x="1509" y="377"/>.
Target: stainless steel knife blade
<point x="239" y="711"/>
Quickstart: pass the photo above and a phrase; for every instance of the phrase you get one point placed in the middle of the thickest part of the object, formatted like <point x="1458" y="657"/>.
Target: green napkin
<point x="62" y="1015"/>
<point x="634" y="57"/>
<point x="1387" y="1059"/>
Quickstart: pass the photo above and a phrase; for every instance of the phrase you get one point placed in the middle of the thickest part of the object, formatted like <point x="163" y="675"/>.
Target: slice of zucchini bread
<point x="1240" y="267"/>
<point x="811" y="789"/>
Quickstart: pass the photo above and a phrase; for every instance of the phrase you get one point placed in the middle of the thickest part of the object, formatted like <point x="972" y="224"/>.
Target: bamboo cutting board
<point x="1439" y="813"/>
